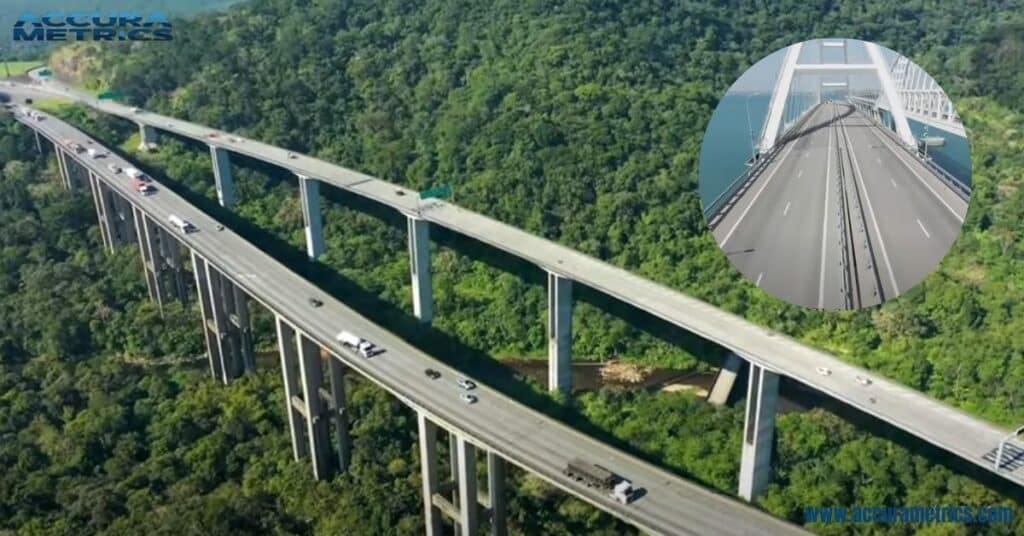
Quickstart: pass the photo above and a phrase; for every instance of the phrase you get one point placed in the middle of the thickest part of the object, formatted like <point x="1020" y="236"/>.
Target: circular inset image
<point x="835" y="174"/>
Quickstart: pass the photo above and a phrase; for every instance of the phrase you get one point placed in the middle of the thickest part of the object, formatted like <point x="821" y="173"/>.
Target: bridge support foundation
<point x="309" y="194"/>
<point x="419" y="268"/>
<point x="726" y="378"/>
<point x="559" y="334"/>
<point x="314" y="410"/>
<point x="147" y="137"/>
<point x="222" y="176"/>
<point x="467" y="505"/>
<point x="226" y="324"/>
<point x="161" y="260"/>
<point x="758" y="432"/>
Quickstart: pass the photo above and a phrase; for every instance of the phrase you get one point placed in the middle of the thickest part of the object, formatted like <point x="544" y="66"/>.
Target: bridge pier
<point x="559" y="334"/>
<point x="758" y="432"/>
<point x="161" y="260"/>
<point x="222" y="176"/>
<point x="309" y="195"/>
<point x="311" y="408"/>
<point x="467" y="505"/>
<point x="147" y="137"/>
<point x="225" y="322"/>
<point x="104" y="212"/>
<point x="726" y="378"/>
<point x="39" y="143"/>
<point x="62" y="166"/>
<point x="419" y="268"/>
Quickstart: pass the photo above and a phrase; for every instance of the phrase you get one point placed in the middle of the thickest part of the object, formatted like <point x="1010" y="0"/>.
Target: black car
<point x="315" y="302"/>
<point x="432" y="374"/>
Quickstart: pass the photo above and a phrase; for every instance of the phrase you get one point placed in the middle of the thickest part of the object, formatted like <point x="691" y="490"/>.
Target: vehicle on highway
<point x="361" y="345"/>
<point x="136" y="110"/>
<point x="824" y="371"/>
<point x="114" y="168"/>
<point x="143" y="187"/>
<point x="863" y="381"/>
<point x="38" y="116"/>
<point x="182" y="224"/>
<point x="136" y="174"/>
<point x="292" y="155"/>
<point x="315" y="302"/>
<point x="432" y="374"/>
<point x="468" y="398"/>
<point x="211" y="135"/>
<point x="95" y="153"/>
<point x="220" y="227"/>
<point x="28" y="101"/>
<point x="595" y="476"/>
<point x="466" y="384"/>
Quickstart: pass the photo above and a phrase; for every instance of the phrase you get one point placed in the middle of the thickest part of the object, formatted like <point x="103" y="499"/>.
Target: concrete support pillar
<point x="152" y="259"/>
<point x="726" y="378"/>
<point x="311" y="371"/>
<point x="123" y="218"/>
<point x="419" y="267"/>
<point x="338" y="412"/>
<point x="147" y="137"/>
<point x="103" y="213"/>
<point x="758" y="432"/>
<point x="62" y="166"/>
<point x="226" y="320"/>
<point x="288" y="346"/>
<point x="469" y="519"/>
<point x="222" y="175"/>
<point x="309" y="194"/>
<point x="428" y="474"/>
<point x="39" y="143"/>
<point x="559" y="334"/>
<point x="496" y="494"/>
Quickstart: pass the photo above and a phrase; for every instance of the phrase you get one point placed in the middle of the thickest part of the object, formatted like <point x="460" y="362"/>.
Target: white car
<point x="863" y="381"/>
<point x="468" y="398"/>
<point x="114" y="168"/>
<point x="136" y="110"/>
<point x="824" y="371"/>
<point x="466" y="384"/>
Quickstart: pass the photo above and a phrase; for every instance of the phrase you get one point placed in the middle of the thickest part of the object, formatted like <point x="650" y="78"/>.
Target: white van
<point x="182" y="224"/>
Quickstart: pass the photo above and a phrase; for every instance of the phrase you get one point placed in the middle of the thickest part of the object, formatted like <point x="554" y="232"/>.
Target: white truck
<point x="181" y="223"/>
<point x="134" y="173"/>
<point x="361" y="345"/>
<point x="94" y="153"/>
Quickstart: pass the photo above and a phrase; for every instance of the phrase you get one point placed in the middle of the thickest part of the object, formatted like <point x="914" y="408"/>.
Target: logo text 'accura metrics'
<point x="59" y="26"/>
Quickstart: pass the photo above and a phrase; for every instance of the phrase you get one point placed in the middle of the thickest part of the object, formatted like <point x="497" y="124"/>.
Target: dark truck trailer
<point x="595" y="476"/>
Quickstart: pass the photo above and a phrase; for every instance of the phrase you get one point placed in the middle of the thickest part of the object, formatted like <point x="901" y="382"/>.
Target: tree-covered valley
<point x="578" y="121"/>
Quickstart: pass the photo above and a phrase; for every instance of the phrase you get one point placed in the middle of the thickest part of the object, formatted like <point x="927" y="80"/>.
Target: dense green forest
<point x="579" y="121"/>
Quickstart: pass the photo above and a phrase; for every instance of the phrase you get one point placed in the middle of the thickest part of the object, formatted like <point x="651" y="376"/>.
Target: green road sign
<point x="111" y="95"/>
<point x="437" y="191"/>
<point x="45" y="72"/>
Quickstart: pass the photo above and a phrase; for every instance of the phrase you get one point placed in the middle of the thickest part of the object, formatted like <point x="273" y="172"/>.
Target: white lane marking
<point x="896" y="151"/>
<point x="758" y="194"/>
<point x="879" y="160"/>
<point x="921" y="225"/>
<point x="874" y="220"/>
<point x="758" y="283"/>
<point x="786" y="209"/>
<point x="893" y="184"/>
<point x="800" y="174"/>
<point x="824" y="222"/>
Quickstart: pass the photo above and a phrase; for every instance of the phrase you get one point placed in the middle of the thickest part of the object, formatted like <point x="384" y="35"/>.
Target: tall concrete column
<point x="496" y="493"/>
<point x="39" y="143"/>
<point x="288" y="346"/>
<point x="726" y="378"/>
<point x="758" y="431"/>
<point x="147" y="137"/>
<point x="309" y="196"/>
<point x="222" y="176"/>
<point x="559" y="334"/>
<point x="226" y="321"/>
<point x="62" y="166"/>
<point x="469" y="519"/>
<point x="428" y="473"/>
<point x="152" y="259"/>
<point x="419" y="267"/>
<point x="122" y="213"/>
<point x="337" y="404"/>
<point x="311" y="371"/>
<point x="103" y="215"/>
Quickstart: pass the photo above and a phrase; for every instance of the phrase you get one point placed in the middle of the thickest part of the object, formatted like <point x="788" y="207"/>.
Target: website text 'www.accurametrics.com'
<point x="893" y="515"/>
